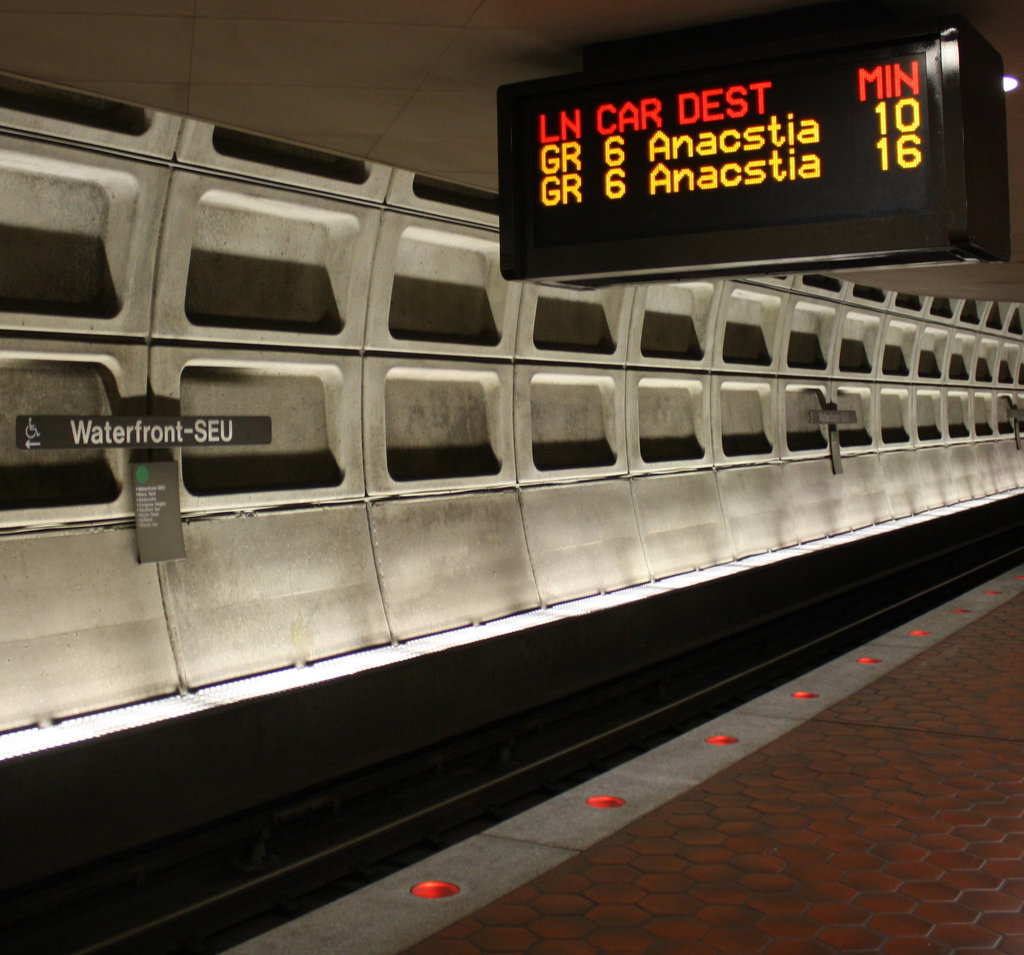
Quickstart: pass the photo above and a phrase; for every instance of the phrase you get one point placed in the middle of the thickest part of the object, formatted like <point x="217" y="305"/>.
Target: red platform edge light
<point x="434" y="890"/>
<point x="805" y="695"/>
<point x="605" y="802"/>
<point x="920" y="633"/>
<point x="869" y="660"/>
<point x="721" y="740"/>
<point x="961" y="610"/>
<point x="993" y="593"/>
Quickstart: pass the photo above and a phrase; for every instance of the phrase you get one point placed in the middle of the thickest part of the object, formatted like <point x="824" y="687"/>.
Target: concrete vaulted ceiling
<point x="411" y="82"/>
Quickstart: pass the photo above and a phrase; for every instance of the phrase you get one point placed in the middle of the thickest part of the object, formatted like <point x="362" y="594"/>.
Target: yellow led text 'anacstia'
<point x="784" y="160"/>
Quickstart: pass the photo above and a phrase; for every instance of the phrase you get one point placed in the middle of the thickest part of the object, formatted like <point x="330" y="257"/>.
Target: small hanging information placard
<point x="158" y="533"/>
<point x="1014" y="415"/>
<point x="831" y="416"/>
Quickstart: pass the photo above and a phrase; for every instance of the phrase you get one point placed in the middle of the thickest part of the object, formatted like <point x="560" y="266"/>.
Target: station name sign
<point x="46" y="432"/>
<point x="874" y="152"/>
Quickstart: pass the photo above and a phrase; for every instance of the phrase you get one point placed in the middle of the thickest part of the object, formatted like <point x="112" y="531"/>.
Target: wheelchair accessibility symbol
<point x="32" y="434"/>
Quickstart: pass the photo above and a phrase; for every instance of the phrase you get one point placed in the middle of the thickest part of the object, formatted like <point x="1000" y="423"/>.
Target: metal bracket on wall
<point x="829" y="414"/>
<point x="1014" y="414"/>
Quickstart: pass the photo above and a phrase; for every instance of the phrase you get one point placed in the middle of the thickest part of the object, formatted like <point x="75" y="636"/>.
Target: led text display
<point x="854" y="138"/>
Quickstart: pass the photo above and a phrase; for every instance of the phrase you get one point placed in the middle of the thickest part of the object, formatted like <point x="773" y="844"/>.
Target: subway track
<point x="209" y="889"/>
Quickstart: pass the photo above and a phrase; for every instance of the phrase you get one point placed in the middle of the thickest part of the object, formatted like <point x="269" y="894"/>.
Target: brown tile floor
<point x="893" y="822"/>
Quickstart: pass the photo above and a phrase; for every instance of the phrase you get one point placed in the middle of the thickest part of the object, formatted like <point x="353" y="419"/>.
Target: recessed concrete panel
<point x="960" y="364"/>
<point x="1008" y="370"/>
<point x="809" y="336"/>
<point x="899" y="346"/>
<point x="907" y="303"/>
<point x="84" y="118"/>
<point x="83" y="626"/>
<point x="894" y="416"/>
<point x="681" y="522"/>
<point x="858" y="344"/>
<point x="819" y="499"/>
<point x="821" y="286"/>
<point x="936" y="476"/>
<point x="744" y="420"/>
<point x="986" y="366"/>
<point x="583" y="539"/>
<point x="437" y="289"/>
<point x="929" y="416"/>
<point x="983" y="414"/>
<point x="569" y="422"/>
<point x="313" y="401"/>
<point x="864" y="490"/>
<point x="757" y="511"/>
<point x="432" y="425"/>
<point x="940" y="309"/>
<point x="992" y="467"/>
<point x="290" y="164"/>
<point x="672" y="325"/>
<point x="572" y="325"/>
<point x="860" y="434"/>
<point x="78" y="232"/>
<point x="250" y="264"/>
<point x="1011" y="319"/>
<point x="37" y="377"/>
<point x="997" y="316"/>
<point x="918" y="480"/>
<point x="902" y="484"/>
<point x="1004" y="317"/>
<point x="958" y="415"/>
<point x="1010" y="462"/>
<point x="971" y="474"/>
<point x="668" y="421"/>
<point x="748" y="329"/>
<point x="418" y="193"/>
<point x="933" y="346"/>
<point x="972" y="313"/>
<point x="264" y="591"/>
<point x="451" y="561"/>
<point x="861" y="295"/>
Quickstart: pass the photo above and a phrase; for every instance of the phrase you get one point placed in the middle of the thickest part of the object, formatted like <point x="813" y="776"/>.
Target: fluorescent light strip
<point x="812" y="547"/>
<point x="764" y="559"/>
<point x="78" y="729"/>
<point x="281" y="681"/>
<point x="483" y="631"/>
<point x="694" y="577"/>
<point x="581" y="606"/>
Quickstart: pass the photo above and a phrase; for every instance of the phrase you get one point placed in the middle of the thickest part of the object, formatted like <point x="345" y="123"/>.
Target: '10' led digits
<point x="733" y="137"/>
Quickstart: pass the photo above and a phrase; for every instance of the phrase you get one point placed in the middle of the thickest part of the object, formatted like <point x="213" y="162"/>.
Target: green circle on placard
<point x="142" y="474"/>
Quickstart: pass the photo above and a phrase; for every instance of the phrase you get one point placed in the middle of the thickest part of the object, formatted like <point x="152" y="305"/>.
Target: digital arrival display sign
<point x="869" y="153"/>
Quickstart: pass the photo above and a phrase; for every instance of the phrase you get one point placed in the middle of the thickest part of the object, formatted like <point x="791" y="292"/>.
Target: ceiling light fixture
<point x="1010" y="83"/>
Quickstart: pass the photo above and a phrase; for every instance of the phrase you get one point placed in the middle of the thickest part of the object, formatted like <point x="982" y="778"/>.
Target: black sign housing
<point x="879" y="147"/>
